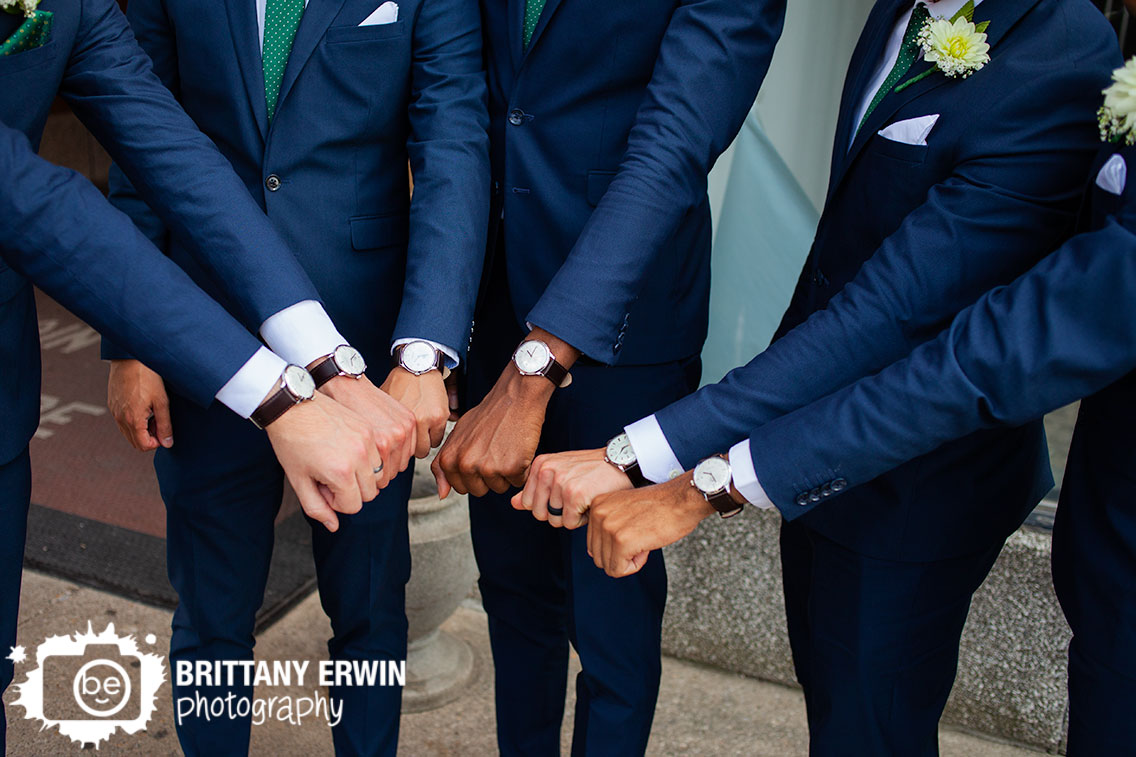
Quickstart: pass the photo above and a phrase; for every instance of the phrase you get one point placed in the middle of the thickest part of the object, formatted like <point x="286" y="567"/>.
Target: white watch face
<point x="348" y="360"/>
<point x="299" y="382"/>
<point x="712" y="475"/>
<point x="620" y="452"/>
<point x="418" y="357"/>
<point x="532" y="357"/>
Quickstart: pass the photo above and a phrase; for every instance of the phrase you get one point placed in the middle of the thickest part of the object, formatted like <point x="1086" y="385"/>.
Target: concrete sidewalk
<point x="702" y="711"/>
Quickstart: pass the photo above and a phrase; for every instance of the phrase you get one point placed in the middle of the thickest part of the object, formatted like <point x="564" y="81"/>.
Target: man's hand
<point x="329" y="455"/>
<point x="134" y="395"/>
<point x="493" y="445"/>
<point x="425" y="396"/>
<point x="392" y="425"/>
<point x="625" y="526"/>
<point x="569" y="481"/>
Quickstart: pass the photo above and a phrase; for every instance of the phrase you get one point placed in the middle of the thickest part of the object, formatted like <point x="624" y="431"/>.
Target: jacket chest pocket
<point x="364" y="47"/>
<point x="10" y="64"/>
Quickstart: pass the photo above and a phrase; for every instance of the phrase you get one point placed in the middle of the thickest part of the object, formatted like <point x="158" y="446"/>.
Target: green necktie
<point x="908" y="52"/>
<point x="32" y="33"/>
<point x="281" y="20"/>
<point x="533" y="9"/>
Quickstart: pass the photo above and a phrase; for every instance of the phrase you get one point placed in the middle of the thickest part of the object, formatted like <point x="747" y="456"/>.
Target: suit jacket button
<point x="803" y="500"/>
<point x="839" y="485"/>
<point x="272" y="182"/>
<point x="516" y="116"/>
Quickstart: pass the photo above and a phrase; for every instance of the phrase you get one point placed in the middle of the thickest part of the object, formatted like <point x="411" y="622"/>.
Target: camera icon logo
<point x="95" y="684"/>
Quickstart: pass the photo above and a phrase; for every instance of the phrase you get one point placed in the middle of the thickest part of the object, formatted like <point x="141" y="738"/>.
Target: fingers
<point x="444" y="486"/>
<point x="315" y="505"/>
<point x="454" y="401"/>
<point x="346" y="497"/>
<point x="140" y="433"/>
<point x="437" y="432"/>
<point x="539" y="487"/>
<point x="573" y="516"/>
<point x="556" y="504"/>
<point x="365" y="475"/>
<point x="163" y="426"/>
<point x="422" y="445"/>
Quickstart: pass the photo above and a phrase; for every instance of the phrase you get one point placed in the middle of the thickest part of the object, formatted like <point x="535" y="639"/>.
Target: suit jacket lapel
<point x="246" y="42"/>
<point x="313" y="25"/>
<point x="1002" y="14"/>
<point x="549" y="9"/>
<point x="876" y="32"/>
<point x="516" y="13"/>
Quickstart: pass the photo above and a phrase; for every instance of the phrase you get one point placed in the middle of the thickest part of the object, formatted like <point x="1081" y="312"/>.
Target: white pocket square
<point x="1113" y="176"/>
<point x="913" y="131"/>
<point x="387" y="13"/>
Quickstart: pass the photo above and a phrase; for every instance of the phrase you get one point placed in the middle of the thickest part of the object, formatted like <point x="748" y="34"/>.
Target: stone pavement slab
<point x="702" y="711"/>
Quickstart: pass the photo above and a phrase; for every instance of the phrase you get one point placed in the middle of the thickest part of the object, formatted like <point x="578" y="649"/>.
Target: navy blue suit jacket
<point x="1060" y="332"/>
<point x="1064" y="330"/>
<point x="58" y="231"/>
<point x="356" y="103"/>
<point x="934" y="227"/>
<point x="603" y="132"/>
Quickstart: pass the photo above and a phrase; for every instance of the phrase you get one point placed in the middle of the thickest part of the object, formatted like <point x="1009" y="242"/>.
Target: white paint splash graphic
<point x="99" y="688"/>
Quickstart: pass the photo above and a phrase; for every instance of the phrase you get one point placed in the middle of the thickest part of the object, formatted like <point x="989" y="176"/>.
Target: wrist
<point x="691" y="498"/>
<point x="534" y="389"/>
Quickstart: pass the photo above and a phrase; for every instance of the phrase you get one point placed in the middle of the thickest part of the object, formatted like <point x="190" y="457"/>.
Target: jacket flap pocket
<point x="374" y="232"/>
<point x="598" y="182"/>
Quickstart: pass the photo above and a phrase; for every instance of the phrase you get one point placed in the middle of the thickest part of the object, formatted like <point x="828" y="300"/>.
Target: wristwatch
<point x="421" y="357"/>
<point x="621" y="454"/>
<point x="344" y="361"/>
<point x="713" y="478"/>
<point x="295" y="386"/>
<point x="534" y="358"/>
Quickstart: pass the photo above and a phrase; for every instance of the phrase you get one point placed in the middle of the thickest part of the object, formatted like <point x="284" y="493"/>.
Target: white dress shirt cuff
<point x="450" y="353"/>
<point x="745" y="477"/>
<point x="657" y="461"/>
<point x="248" y="387"/>
<point x="301" y="333"/>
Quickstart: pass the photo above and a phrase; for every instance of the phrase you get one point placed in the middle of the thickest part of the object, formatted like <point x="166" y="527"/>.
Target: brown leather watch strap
<point x="725" y="504"/>
<point x="635" y="473"/>
<point x="325" y="370"/>
<point x="556" y="373"/>
<point x="272" y="408"/>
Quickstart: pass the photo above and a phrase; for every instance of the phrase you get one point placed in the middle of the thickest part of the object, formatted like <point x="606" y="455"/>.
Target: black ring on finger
<point x="557" y="511"/>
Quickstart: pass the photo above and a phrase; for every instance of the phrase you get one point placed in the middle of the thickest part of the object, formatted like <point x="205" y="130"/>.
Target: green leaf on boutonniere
<point x="966" y="11"/>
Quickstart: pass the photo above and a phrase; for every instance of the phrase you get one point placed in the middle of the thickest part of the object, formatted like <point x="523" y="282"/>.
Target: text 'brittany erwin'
<point x="289" y="672"/>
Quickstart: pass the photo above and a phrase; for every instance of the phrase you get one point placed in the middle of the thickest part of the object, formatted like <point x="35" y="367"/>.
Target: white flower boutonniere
<point x="25" y="7"/>
<point x="1118" y="114"/>
<point x="957" y="46"/>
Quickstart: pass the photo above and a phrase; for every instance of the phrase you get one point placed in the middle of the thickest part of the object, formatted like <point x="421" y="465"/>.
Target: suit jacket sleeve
<point x="151" y="27"/>
<point x="992" y="219"/>
<point x="711" y="63"/>
<point x="1064" y="330"/>
<point x="59" y="231"/>
<point x="177" y="170"/>
<point x="449" y="159"/>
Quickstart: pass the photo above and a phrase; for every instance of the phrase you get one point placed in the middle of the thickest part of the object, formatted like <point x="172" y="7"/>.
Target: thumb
<point x="315" y="504"/>
<point x="164" y="427"/>
<point x="443" y="485"/>
<point x="516" y="501"/>
<point x="637" y="562"/>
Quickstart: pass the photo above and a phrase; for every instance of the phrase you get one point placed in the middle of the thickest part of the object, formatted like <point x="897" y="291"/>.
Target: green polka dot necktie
<point x="281" y="20"/>
<point x="32" y="33"/>
<point x="908" y="53"/>
<point x="533" y="9"/>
